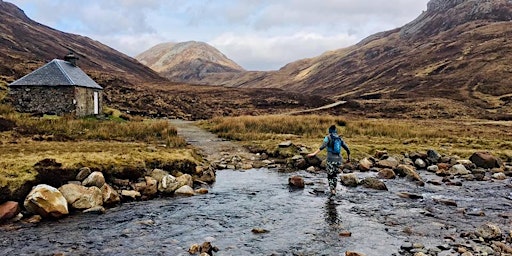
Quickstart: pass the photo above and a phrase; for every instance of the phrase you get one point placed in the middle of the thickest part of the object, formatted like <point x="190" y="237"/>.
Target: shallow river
<point x="299" y="222"/>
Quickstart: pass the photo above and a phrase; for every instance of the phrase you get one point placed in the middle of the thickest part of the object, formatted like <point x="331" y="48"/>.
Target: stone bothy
<point x="59" y="87"/>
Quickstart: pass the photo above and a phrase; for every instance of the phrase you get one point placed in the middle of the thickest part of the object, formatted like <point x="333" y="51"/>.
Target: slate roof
<point x="57" y="73"/>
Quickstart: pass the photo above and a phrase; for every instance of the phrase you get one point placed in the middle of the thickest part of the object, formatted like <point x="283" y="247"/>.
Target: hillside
<point x="187" y="62"/>
<point x="129" y="85"/>
<point x="454" y="58"/>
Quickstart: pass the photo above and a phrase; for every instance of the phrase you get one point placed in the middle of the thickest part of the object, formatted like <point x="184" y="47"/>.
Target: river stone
<point x="158" y="174"/>
<point x="349" y="180"/>
<point x="458" y="169"/>
<point x="9" y="210"/>
<point x="151" y="186"/>
<point x="185" y="191"/>
<point x="46" y="201"/>
<point x="201" y="191"/>
<point x="420" y="163"/>
<point x="81" y="197"/>
<point x="83" y="173"/>
<point x="467" y="163"/>
<point x="193" y="249"/>
<point x="168" y="184"/>
<point x="433" y="156"/>
<point x="349" y="253"/>
<point x="94" y="179"/>
<point x="96" y="209"/>
<point x="296" y="181"/>
<point x="389" y="162"/>
<point x="365" y="164"/>
<point x="131" y="194"/>
<point x="373" y="183"/>
<point x="408" y="172"/>
<point x="485" y="160"/>
<point x="433" y="168"/>
<point x="110" y="196"/>
<point x="185" y="180"/>
<point x="499" y="176"/>
<point x="386" y="174"/>
<point x="489" y="231"/>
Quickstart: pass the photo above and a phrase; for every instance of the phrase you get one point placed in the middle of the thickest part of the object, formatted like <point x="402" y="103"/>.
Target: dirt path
<point x="213" y="147"/>
<point x="332" y="105"/>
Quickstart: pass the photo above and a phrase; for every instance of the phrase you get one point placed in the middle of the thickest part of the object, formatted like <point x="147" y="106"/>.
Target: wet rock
<point x="207" y="248"/>
<point x="433" y="156"/>
<point x="433" y="168"/>
<point x="296" y="181"/>
<point x="408" y="172"/>
<point x="246" y="166"/>
<point x="83" y="173"/>
<point x="109" y="195"/>
<point x="489" y="231"/>
<point x="151" y="187"/>
<point x="380" y="154"/>
<point x="365" y="164"/>
<point x="46" y="201"/>
<point x="420" y="163"/>
<point x="259" y="231"/>
<point x="311" y="169"/>
<point x="437" y="182"/>
<point x="499" y="176"/>
<point x="373" y="183"/>
<point x="349" y="253"/>
<point x="194" y="249"/>
<point x="485" y="160"/>
<point x="409" y="195"/>
<point x="185" y="191"/>
<point x="458" y="169"/>
<point x="168" y="184"/>
<point x="202" y="191"/>
<point x="81" y="197"/>
<point x="97" y="210"/>
<point x="389" y="162"/>
<point x="9" y="210"/>
<point x="445" y="201"/>
<point x="349" y="180"/>
<point x="467" y="163"/>
<point x="34" y="219"/>
<point x="345" y="233"/>
<point x="94" y="179"/>
<point x="386" y="174"/>
<point x="313" y="161"/>
<point x="130" y="194"/>
<point x="205" y="174"/>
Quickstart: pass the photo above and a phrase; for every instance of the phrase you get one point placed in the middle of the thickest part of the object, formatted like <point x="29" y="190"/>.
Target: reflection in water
<point x="331" y="214"/>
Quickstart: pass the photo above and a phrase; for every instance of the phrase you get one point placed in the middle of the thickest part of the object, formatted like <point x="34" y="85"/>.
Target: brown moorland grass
<point x="106" y="145"/>
<point x="365" y="136"/>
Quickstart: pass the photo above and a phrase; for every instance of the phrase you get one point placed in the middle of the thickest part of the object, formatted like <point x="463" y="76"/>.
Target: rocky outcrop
<point x="46" y="201"/>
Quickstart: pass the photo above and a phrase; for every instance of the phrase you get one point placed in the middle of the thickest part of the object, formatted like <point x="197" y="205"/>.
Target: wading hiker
<point x="333" y="142"/>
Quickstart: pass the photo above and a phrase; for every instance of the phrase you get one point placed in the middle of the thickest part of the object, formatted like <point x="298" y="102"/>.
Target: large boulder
<point x="110" y="196"/>
<point x="94" y="179"/>
<point x="296" y="181"/>
<point x="81" y="197"/>
<point x="148" y="187"/>
<point x="46" y="201"/>
<point x="485" y="160"/>
<point x="386" y="174"/>
<point x="458" y="169"/>
<point x="168" y="184"/>
<point x="83" y="173"/>
<point x="158" y="174"/>
<point x="433" y="156"/>
<point x="349" y="180"/>
<point x="9" y="210"/>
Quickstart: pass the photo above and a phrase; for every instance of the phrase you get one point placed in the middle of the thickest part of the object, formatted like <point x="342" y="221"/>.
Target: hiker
<point x="333" y="142"/>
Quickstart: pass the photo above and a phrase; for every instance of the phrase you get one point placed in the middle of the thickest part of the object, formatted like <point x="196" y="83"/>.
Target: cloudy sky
<point x="257" y="34"/>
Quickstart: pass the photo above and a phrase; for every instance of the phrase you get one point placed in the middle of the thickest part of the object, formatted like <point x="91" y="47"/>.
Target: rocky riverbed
<point x="419" y="203"/>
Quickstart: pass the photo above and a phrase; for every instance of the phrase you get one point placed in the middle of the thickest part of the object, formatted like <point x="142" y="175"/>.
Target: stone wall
<point x="42" y="100"/>
<point x="54" y="100"/>
<point x="85" y="101"/>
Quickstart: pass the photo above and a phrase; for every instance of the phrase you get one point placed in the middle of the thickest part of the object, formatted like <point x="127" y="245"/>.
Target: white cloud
<point x="257" y="34"/>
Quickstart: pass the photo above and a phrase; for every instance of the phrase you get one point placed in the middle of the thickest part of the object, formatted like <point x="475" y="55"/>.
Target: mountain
<point x="454" y="59"/>
<point x="187" y="62"/>
<point x="130" y="86"/>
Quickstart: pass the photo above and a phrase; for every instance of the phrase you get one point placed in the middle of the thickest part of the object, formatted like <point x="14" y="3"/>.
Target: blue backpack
<point x="334" y="144"/>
